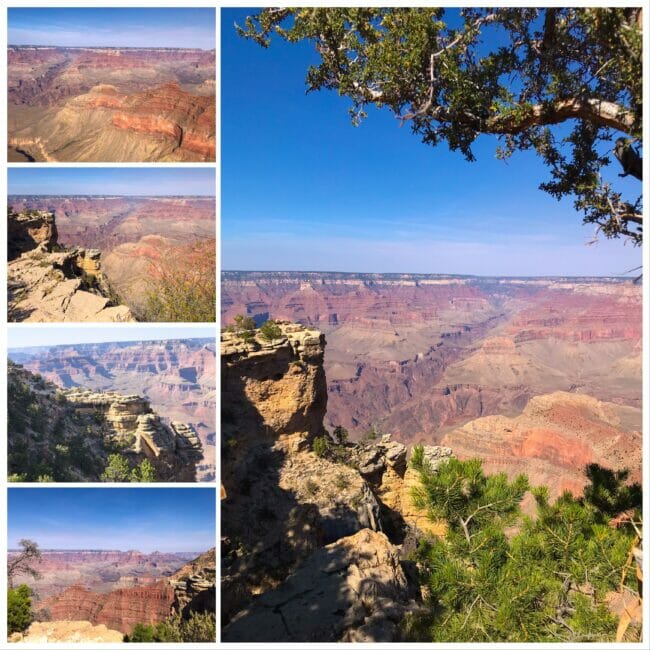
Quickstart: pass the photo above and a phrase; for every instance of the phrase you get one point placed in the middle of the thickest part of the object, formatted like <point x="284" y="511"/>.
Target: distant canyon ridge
<point x="139" y="237"/>
<point x="109" y="104"/>
<point x="540" y="375"/>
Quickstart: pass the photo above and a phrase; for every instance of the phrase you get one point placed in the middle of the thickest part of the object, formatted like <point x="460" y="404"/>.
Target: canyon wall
<point x="177" y="377"/>
<point x="416" y="355"/>
<point x="111" y="104"/>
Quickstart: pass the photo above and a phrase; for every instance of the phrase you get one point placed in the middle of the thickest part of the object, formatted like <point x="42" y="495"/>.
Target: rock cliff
<point x="67" y="632"/>
<point x="312" y="543"/>
<point x="190" y="589"/>
<point x="47" y="283"/>
<point x="69" y="434"/>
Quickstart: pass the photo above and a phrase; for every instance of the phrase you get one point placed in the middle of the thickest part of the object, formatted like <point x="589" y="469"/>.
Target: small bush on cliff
<point x="184" y="288"/>
<point x="198" y="628"/>
<point x="320" y="446"/>
<point x="270" y="330"/>
<point x="546" y="582"/>
<point x="19" y="609"/>
<point x="341" y="435"/>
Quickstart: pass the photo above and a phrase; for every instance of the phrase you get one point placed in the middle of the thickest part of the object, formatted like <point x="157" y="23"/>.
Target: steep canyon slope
<point x="111" y="104"/>
<point x="420" y="356"/>
<point x="177" y="377"/>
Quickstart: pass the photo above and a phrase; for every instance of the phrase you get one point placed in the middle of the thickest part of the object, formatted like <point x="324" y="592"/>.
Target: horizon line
<point x="112" y="47"/>
<point x="622" y="276"/>
<point x="67" y="345"/>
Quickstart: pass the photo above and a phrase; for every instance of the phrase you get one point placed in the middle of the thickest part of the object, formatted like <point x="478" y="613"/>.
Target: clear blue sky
<point x="302" y="189"/>
<point x="49" y="335"/>
<point x="131" y="181"/>
<point x="104" y="27"/>
<point x="140" y="519"/>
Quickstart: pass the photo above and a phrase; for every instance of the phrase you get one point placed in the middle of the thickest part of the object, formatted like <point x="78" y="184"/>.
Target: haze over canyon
<point x="540" y="375"/>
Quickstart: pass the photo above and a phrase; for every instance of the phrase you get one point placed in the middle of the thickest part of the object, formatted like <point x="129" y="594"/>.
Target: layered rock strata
<point x="104" y="421"/>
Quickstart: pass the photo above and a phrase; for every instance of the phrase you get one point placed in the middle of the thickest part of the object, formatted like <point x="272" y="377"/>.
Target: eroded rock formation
<point x="288" y="511"/>
<point x="111" y="104"/>
<point x="43" y="417"/>
<point x="46" y="283"/>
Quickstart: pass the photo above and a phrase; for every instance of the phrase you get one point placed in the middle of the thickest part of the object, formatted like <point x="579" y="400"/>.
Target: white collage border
<point x="218" y="4"/>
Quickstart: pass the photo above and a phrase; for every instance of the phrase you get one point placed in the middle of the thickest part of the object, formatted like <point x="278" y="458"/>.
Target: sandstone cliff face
<point x="28" y="230"/>
<point x="88" y="426"/>
<point x="67" y="632"/>
<point x="120" y="609"/>
<point x="46" y="284"/>
<point x="288" y="513"/>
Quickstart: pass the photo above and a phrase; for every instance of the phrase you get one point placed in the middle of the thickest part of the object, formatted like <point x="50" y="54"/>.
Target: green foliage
<point x="545" y="580"/>
<point x="270" y="330"/>
<point x="417" y="457"/>
<point x="184" y="289"/>
<point x="608" y="493"/>
<point x="118" y="470"/>
<point x="17" y="478"/>
<point x="320" y="446"/>
<point x="146" y="473"/>
<point x="341" y="435"/>
<point x="200" y="627"/>
<point x="558" y="81"/>
<point x="19" y="609"/>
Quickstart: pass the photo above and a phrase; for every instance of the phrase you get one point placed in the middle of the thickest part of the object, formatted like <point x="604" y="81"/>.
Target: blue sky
<point x="125" y="181"/>
<point x="104" y="27"/>
<point x="302" y="189"/>
<point x="21" y="336"/>
<point x="142" y="519"/>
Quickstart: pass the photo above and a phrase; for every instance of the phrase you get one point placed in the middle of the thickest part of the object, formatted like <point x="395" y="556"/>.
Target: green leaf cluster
<point x="501" y="576"/>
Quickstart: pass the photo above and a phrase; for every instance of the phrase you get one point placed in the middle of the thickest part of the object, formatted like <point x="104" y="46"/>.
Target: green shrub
<point x="270" y="330"/>
<point x="320" y="445"/>
<point x="198" y="628"/>
<point x="341" y="435"/>
<point x="499" y="576"/>
<point x="19" y="609"/>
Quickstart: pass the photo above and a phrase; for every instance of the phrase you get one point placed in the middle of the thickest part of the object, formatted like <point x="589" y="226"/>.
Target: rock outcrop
<point x="91" y="425"/>
<point x="289" y="513"/>
<point x="48" y="284"/>
<point x="351" y="590"/>
<point x="67" y="632"/>
<point x="177" y="376"/>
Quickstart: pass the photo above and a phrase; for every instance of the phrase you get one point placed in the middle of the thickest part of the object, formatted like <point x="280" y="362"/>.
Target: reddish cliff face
<point x="120" y="609"/>
<point x="552" y="441"/>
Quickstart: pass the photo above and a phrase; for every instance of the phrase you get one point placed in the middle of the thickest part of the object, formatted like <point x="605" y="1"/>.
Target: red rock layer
<point x="120" y="609"/>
